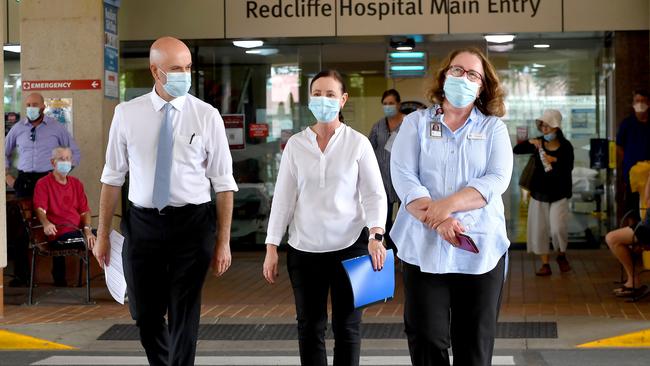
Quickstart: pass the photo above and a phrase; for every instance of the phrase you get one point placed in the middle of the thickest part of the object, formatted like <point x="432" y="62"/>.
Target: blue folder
<point x="370" y="286"/>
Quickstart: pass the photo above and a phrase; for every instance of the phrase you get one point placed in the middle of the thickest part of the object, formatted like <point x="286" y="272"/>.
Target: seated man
<point x="62" y="207"/>
<point x="619" y="241"/>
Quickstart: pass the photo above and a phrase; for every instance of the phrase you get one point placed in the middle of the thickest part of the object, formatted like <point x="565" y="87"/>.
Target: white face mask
<point x="640" y="107"/>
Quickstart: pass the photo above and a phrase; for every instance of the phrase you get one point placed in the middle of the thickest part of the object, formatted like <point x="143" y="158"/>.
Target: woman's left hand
<point x="448" y="230"/>
<point x="551" y="159"/>
<point x="377" y="254"/>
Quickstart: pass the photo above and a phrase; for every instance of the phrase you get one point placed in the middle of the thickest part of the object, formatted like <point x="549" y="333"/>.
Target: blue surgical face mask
<point x="324" y="109"/>
<point x="63" y="167"/>
<point x="390" y="110"/>
<point x="33" y="113"/>
<point x="459" y="91"/>
<point x="549" y="136"/>
<point x="178" y="83"/>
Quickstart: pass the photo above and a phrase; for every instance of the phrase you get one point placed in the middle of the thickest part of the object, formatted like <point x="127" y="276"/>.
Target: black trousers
<point x="25" y="183"/>
<point x="24" y="188"/>
<point x="458" y="307"/>
<point x="166" y="257"/>
<point x="312" y="276"/>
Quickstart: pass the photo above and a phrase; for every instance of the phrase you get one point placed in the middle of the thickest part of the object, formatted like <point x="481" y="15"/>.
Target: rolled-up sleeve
<point x="219" y="160"/>
<point x="284" y="199"/>
<point x="499" y="166"/>
<point x="117" y="164"/>
<point x="371" y="188"/>
<point x="404" y="162"/>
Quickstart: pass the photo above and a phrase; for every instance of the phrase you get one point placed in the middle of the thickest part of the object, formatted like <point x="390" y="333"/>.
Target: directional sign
<point x="93" y="84"/>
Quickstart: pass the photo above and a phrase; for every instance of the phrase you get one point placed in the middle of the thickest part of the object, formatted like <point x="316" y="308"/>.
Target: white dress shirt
<point x="201" y="156"/>
<point x="327" y="198"/>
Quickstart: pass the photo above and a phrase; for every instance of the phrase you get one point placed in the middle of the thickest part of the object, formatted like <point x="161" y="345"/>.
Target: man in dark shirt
<point x="633" y="142"/>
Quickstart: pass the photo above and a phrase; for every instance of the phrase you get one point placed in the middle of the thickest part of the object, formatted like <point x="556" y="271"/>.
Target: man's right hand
<point x="49" y="229"/>
<point x="102" y="250"/>
<point x="270" y="267"/>
<point x="10" y="180"/>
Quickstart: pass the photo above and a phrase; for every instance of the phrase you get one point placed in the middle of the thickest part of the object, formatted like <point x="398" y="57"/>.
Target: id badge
<point x="435" y="124"/>
<point x="435" y="130"/>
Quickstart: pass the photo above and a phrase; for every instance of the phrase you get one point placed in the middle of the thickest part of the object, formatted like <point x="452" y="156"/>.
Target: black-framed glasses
<point x="32" y="135"/>
<point x="473" y="76"/>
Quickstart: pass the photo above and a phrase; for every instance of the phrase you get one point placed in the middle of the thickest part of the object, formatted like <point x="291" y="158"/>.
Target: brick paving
<point x="242" y="294"/>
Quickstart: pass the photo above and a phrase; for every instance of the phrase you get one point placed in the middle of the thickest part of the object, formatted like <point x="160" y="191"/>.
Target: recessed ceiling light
<point x="252" y="43"/>
<point x="501" y="47"/>
<point x="499" y="38"/>
<point x="542" y="45"/>
<point x="263" y="51"/>
<point x="12" y="48"/>
<point x="539" y="66"/>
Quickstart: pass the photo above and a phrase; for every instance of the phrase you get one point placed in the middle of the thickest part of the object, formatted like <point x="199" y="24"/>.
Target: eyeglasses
<point x="473" y="76"/>
<point x="32" y="136"/>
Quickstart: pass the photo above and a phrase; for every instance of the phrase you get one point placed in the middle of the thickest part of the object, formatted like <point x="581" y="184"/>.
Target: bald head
<point x="168" y="49"/>
<point x="35" y="100"/>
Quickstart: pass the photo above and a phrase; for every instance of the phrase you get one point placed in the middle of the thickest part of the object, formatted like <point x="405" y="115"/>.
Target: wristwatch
<point x="376" y="236"/>
<point x="88" y="227"/>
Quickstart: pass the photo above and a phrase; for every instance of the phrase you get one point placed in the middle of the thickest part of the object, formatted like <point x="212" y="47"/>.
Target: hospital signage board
<point x="93" y="84"/>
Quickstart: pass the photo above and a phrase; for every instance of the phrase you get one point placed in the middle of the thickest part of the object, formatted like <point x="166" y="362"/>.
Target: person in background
<point x="33" y="137"/>
<point x="330" y="193"/>
<point x="633" y="145"/>
<point x="619" y="242"/>
<point x="550" y="190"/>
<point x="62" y="208"/>
<point x="450" y="164"/>
<point x="382" y="136"/>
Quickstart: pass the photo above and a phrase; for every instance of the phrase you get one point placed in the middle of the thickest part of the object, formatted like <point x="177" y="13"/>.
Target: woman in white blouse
<point x="330" y="193"/>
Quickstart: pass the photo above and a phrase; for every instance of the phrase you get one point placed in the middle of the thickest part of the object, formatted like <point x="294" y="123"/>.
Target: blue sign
<point x="115" y="3"/>
<point x="110" y="19"/>
<point x="110" y="59"/>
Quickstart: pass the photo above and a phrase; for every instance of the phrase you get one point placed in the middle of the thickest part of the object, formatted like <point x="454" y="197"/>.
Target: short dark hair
<point x="641" y="92"/>
<point x="392" y="92"/>
<point x="332" y="74"/>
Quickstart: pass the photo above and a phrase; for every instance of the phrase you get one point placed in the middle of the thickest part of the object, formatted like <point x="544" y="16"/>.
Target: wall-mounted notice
<point x="234" y="124"/>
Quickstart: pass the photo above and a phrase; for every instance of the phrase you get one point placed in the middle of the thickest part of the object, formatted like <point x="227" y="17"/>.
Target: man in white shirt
<point x="174" y="148"/>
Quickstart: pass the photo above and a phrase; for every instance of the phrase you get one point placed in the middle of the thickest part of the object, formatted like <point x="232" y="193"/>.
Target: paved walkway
<point x="242" y="294"/>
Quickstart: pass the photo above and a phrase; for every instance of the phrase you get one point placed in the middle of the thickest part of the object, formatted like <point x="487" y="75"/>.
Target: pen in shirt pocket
<point x="192" y="138"/>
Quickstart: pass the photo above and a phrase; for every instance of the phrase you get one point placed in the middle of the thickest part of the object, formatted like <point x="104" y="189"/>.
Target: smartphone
<point x="466" y="243"/>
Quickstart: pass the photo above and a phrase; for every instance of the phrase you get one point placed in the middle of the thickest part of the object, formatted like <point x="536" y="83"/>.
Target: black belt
<point x="33" y="173"/>
<point x="168" y="210"/>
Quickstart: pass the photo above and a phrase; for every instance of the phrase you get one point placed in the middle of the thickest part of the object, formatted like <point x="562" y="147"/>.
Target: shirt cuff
<point x="271" y="239"/>
<point x="112" y="177"/>
<point x="415" y="193"/>
<point x="224" y="183"/>
<point x="482" y="188"/>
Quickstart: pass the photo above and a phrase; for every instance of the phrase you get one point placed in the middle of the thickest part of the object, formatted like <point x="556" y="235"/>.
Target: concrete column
<point x="61" y="40"/>
<point x="3" y="203"/>
<point x="64" y="39"/>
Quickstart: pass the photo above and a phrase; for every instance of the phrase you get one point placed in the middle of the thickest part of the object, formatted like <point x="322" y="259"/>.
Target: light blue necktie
<point x="164" y="161"/>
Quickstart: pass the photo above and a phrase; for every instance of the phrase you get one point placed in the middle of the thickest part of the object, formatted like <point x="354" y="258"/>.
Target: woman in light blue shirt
<point x="450" y="164"/>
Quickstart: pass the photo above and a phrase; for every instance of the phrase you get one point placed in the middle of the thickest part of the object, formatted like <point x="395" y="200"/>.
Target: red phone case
<point x="466" y="243"/>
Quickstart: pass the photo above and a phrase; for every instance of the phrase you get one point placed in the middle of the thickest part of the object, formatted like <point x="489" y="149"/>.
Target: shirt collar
<point x="159" y="103"/>
<point x="26" y="122"/>
<point x="312" y="134"/>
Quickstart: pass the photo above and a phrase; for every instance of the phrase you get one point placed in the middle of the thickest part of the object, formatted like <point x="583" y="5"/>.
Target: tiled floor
<point x="242" y="293"/>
